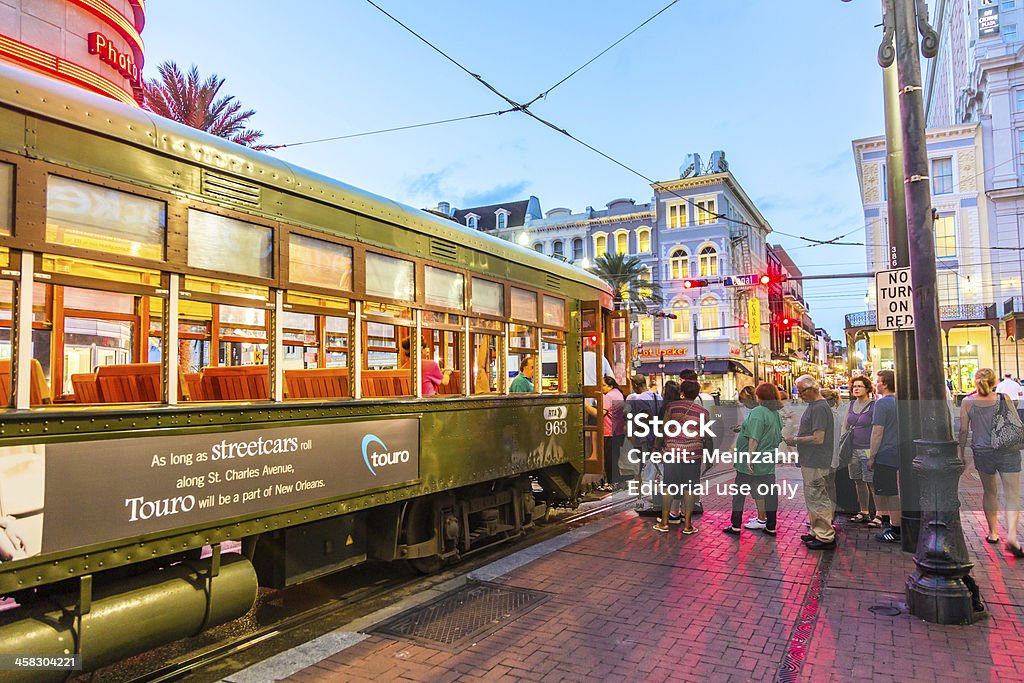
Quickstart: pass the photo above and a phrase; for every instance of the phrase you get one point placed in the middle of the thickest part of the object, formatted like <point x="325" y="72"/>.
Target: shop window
<point x="524" y="305"/>
<point x="488" y="298"/>
<point x="6" y="199"/>
<point x="223" y="244"/>
<point x="317" y="263"/>
<point x="92" y="217"/>
<point x="390" y="277"/>
<point x="444" y="288"/>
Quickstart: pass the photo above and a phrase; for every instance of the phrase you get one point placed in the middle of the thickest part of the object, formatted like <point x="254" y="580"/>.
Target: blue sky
<point x="783" y="86"/>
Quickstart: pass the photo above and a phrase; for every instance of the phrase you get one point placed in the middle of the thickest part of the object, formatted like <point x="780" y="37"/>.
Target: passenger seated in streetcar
<point x="432" y="376"/>
<point x="523" y="382"/>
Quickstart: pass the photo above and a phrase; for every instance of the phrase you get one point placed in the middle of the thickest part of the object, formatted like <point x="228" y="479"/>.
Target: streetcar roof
<point x="48" y="98"/>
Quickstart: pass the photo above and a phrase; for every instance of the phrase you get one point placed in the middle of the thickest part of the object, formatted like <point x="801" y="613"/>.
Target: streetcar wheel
<point x="427" y="565"/>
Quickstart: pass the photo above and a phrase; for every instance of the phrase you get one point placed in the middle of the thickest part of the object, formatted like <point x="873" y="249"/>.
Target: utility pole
<point x="938" y="591"/>
<point x="904" y="352"/>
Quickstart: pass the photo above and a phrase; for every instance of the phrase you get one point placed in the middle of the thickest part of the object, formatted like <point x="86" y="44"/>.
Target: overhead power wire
<point x="545" y="93"/>
<point x="397" y="128"/>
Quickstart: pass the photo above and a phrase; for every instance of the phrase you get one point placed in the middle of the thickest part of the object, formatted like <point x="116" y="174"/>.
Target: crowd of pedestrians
<point x="860" y="436"/>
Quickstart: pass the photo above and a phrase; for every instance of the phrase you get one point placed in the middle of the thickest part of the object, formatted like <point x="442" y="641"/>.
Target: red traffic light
<point x="785" y="322"/>
<point x="765" y="279"/>
<point x="591" y="339"/>
<point x="663" y="314"/>
<point x="693" y="284"/>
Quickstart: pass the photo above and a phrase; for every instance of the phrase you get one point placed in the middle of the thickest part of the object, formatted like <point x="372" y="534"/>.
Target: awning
<point x="711" y="367"/>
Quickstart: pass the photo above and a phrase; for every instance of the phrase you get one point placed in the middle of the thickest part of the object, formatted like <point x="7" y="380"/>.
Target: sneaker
<point x="675" y="519"/>
<point x="820" y="545"/>
<point x="769" y="532"/>
<point x="889" y="536"/>
<point x="732" y="531"/>
<point x="807" y="538"/>
<point x="756" y="524"/>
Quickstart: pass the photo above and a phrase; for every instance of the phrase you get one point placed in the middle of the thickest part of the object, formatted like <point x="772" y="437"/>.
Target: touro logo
<point x="382" y="457"/>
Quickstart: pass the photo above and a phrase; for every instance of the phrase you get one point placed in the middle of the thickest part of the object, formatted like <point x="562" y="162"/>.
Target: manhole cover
<point x="460" y="618"/>
<point x="885" y="610"/>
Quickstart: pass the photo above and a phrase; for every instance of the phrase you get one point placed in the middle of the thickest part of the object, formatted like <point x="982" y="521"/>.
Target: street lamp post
<point x="940" y="590"/>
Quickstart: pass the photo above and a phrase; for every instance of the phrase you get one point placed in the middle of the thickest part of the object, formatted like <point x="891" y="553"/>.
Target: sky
<point x="782" y="86"/>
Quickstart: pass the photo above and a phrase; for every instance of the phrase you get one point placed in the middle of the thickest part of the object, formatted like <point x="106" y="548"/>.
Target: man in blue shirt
<point x="884" y="457"/>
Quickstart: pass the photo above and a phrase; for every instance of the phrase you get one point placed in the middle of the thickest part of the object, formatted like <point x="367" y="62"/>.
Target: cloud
<point x="428" y="184"/>
<point x="496" y="194"/>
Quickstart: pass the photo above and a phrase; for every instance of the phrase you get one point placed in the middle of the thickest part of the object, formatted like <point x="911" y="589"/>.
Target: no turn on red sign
<point x="894" y="297"/>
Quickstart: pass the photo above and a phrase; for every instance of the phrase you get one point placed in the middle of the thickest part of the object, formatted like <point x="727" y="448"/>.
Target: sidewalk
<point x="629" y="604"/>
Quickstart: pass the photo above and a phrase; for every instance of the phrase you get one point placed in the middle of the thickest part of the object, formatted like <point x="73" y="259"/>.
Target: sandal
<point x="875" y="523"/>
<point x="659" y="527"/>
<point x="1015" y="550"/>
<point x="691" y="530"/>
<point x="993" y="541"/>
<point x="861" y="518"/>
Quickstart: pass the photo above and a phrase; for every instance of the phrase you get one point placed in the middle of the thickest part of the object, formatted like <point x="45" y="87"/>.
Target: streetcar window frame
<point x="8" y="178"/>
<point x="356" y="260"/>
<point x="249" y="226"/>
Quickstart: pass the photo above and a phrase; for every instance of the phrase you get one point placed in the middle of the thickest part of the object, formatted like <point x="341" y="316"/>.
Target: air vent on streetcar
<point x="230" y="190"/>
<point x="553" y="281"/>
<point x="445" y="250"/>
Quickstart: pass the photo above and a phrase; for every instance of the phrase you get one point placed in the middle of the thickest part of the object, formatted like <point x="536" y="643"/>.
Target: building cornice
<point x="727" y="179"/>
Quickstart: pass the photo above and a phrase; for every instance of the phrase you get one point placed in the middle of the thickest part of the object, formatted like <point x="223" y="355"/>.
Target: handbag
<point x="845" y="449"/>
<point x="1007" y="430"/>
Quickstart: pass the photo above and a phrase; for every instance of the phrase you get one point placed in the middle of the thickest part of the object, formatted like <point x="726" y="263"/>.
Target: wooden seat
<point x="39" y="390"/>
<point x="130" y="383"/>
<point x="236" y="383"/>
<point x="317" y="383"/>
<point x="454" y="386"/>
<point x="87" y="388"/>
<point x="193" y="383"/>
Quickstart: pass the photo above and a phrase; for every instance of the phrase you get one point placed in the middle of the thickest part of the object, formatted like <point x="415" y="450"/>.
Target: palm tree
<point x="630" y="280"/>
<point x="188" y="99"/>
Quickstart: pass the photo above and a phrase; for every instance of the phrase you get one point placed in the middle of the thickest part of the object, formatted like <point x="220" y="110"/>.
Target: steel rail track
<point x="205" y="657"/>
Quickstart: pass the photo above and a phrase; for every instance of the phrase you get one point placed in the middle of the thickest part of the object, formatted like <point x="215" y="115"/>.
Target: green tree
<point x="188" y="99"/>
<point x="630" y="280"/>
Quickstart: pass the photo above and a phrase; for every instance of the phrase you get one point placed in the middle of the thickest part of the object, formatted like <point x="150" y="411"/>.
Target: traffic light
<point x="765" y="279"/>
<point x="663" y="314"/>
<point x="785" y="326"/>
<point x="590" y="340"/>
<point x="694" y="284"/>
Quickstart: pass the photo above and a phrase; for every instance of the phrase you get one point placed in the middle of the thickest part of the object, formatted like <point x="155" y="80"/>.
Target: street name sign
<point x="741" y="280"/>
<point x="894" y="297"/>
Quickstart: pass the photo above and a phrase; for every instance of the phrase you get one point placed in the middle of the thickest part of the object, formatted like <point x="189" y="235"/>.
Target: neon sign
<point x="101" y="46"/>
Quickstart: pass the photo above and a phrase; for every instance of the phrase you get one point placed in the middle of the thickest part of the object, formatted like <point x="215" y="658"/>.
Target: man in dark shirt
<point x="884" y="457"/>
<point x="814" y="442"/>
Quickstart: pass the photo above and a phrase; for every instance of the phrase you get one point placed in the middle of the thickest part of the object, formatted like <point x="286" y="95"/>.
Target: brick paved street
<point x="630" y="604"/>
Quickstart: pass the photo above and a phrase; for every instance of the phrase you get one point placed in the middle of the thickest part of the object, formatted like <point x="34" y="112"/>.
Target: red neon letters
<point x="101" y="46"/>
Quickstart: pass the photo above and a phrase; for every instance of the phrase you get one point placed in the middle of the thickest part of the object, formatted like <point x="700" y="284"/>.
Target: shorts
<point x="886" y="482"/>
<point x="989" y="461"/>
<point x="685" y="475"/>
<point x="858" y="467"/>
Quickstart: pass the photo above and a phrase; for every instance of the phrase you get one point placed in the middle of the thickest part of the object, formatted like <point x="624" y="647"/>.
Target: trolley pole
<point x="938" y="590"/>
<point x="904" y="352"/>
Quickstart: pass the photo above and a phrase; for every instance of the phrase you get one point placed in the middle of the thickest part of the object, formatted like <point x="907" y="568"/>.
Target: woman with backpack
<point x="683" y="475"/>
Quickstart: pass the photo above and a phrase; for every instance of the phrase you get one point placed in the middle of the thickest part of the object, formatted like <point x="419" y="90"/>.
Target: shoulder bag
<point x="1007" y="430"/>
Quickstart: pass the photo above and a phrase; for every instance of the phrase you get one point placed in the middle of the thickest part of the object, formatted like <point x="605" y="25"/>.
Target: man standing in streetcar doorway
<point x="814" y="442"/>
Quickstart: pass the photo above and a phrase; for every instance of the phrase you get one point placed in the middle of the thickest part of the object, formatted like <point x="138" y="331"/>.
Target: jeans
<point x="766" y="482"/>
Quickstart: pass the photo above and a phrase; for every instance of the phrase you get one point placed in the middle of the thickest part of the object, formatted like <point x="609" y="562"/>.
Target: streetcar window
<point x="6" y="198"/>
<point x="228" y="245"/>
<point x="554" y="311"/>
<point x="224" y="288"/>
<point x="444" y="340"/>
<point x="488" y="298"/>
<point x="552" y="361"/>
<point x="387" y="363"/>
<point x="40" y="371"/>
<point x="486" y="377"/>
<point x="444" y="288"/>
<point x="524" y="305"/>
<point x="83" y="215"/>
<point x="318" y="263"/>
<point x="390" y="277"/>
<point x="522" y="345"/>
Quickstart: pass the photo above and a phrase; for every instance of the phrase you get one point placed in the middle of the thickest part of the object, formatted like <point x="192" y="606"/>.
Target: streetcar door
<point x="593" y="429"/>
<point x="617" y="345"/>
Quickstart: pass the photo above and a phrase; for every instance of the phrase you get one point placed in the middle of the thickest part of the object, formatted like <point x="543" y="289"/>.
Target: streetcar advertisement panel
<point x="101" y="491"/>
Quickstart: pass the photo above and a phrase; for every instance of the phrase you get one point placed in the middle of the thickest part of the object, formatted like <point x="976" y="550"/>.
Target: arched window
<point x="643" y="240"/>
<point x="577" y="249"/>
<point x="471" y="222"/>
<point x="679" y="265"/>
<point x="538" y="247"/>
<point x="557" y="248"/>
<point x="681" y="324"/>
<point x="709" y="313"/>
<point x="600" y="245"/>
<point x="622" y="243"/>
<point x="708" y="261"/>
<point x="501" y="218"/>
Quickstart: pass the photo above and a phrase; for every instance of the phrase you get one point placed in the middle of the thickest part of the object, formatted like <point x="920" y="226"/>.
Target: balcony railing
<point x="1015" y="304"/>
<point x="960" y="312"/>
